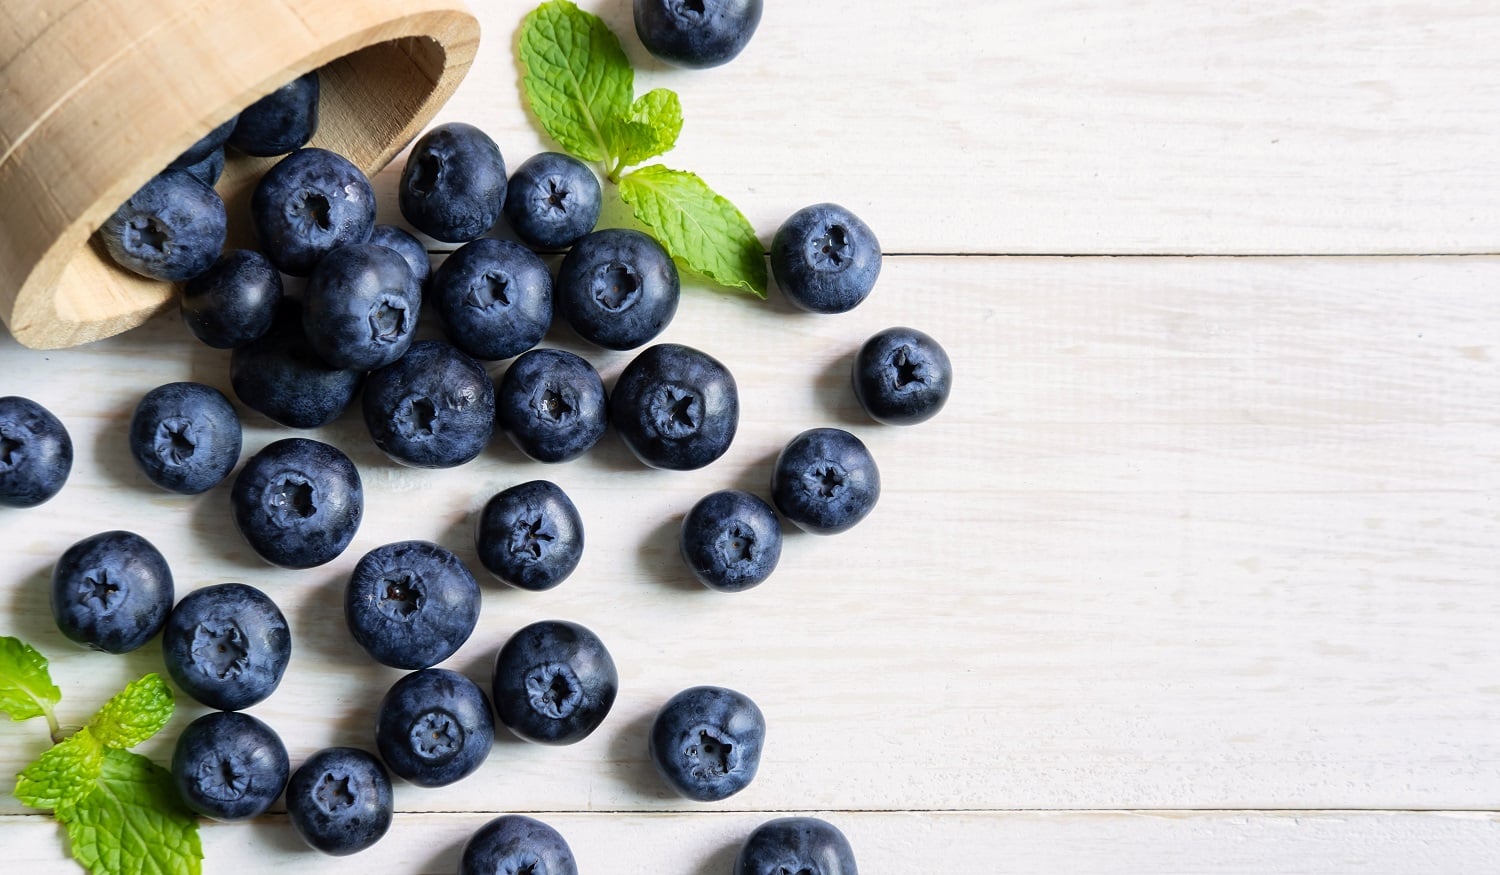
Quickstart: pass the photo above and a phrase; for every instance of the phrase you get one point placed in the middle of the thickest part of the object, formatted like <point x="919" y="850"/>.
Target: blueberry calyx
<point x="225" y="778"/>
<point x="402" y="597"/>
<point x="309" y="210"/>
<point x="99" y="592"/>
<point x="554" y="690"/>
<point x="220" y="650"/>
<point x="174" y="442"/>
<point x="830" y="250"/>
<point x="555" y="403"/>
<point x="10" y="450"/>
<point x="907" y="367"/>
<point x="530" y="538"/>
<point x="489" y="290"/>
<point x="144" y="233"/>
<point x="713" y="754"/>
<point x="436" y="736"/>
<point x="616" y="286"/>
<point x="333" y="793"/>
<point x="290" y="499"/>
<point x="675" y="410"/>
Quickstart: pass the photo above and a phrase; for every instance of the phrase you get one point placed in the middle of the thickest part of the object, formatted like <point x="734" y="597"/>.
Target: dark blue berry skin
<point x="514" y="843"/>
<point x="551" y="404"/>
<point x="411" y="604"/>
<point x="696" y="33"/>
<point x="227" y="645"/>
<point x="229" y="766"/>
<point x="902" y="376"/>
<point x="311" y="203"/>
<point x="495" y="298"/>
<point x="298" y="502"/>
<point x="825" y="481"/>
<point x="706" y="742"/>
<point x="360" y="307"/>
<point x="408" y="247"/>
<point x="234" y="301"/>
<point x="280" y="375"/>
<point x="111" y="592"/>
<point x="281" y="121"/>
<point x="554" y="682"/>
<point x="730" y="540"/>
<point x="552" y="200"/>
<point x="208" y="170"/>
<point x="796" y="845"/>
<point x="434" y="408"/>
<point x="207" y="145"/>
<point x="453" y="185"/>
<point x="825" y="259"/>
<point x="530" y="535"/>
<point x="185" y="437"/>
<point x="434" y="727"/>
<point x="340" y="801"/>
<point x="618" y="288"/>
<point x="675" y="407"/>
<point x="36" y="454"/>
<point x="171" y="229"/>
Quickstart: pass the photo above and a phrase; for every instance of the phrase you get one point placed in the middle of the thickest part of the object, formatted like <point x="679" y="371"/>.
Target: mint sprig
<point x="581" y="87"/>
<point x="120" y="809"/>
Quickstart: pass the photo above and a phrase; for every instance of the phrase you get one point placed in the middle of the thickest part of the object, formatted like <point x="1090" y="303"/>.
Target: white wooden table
<point x="1198" y="572"/>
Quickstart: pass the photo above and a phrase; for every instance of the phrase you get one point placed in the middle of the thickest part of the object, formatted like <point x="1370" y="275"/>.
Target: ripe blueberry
<point x="339" y="801"/>
<point x="675" y="407"/>
<point x="554" y="682"/>
<point x="411" y="604"/>
<point x="360" y="307"/>
<point x="618" y="288"/>
<point x="706" y="742"/>
<point x="36" y="454"/>
<point x="730" y="540"/>
<point x="298" y="502"/>
<point x="408" y="247"/>
<point x="226" y="645"/>
<point x="280" y="375"/>
<point x="796" y="846"/>
<point x="311" y="203"/>
<point x="696" y="33"/>
<point x="902" y="376"/>
<point x="825" y="259"/>
<point x="207" y="145"/>
<point x="208" y="170"/>
<point x="171" y="229"/>
<point x="514" y="844"/>
<point x="551" y="404"/>
<point x="435" y="408"/>
<point x="495" y="298"/>
<point x="552" y="200"/>
<point x="185" y="437"/>
<point x="530" y="535"/>
<point x="229" y="766"/>
<point x="453" y="185"/>
<point x="825" y="481"/>
<point x="234" y="301"/>
<point x="281" y="121"/>
<point x="111" y="591"/>
<point x="434" y="727"/>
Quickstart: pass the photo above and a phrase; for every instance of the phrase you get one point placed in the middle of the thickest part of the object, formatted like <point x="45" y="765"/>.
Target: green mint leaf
<point x="26" y="689"/>
<point x="698" y="227"/>
<point x="133" y="821"/>
<point x="64" y="774"/>
<point x="576" y="77"/>
<point x="651" y="128"/>
<point x="135" y="714"/>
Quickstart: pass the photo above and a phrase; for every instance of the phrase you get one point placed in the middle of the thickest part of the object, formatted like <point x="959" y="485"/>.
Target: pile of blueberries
<point x="431" y="404"/>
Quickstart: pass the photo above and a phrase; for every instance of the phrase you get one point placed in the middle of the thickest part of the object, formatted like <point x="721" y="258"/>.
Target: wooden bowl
<point x="100" y="95"/>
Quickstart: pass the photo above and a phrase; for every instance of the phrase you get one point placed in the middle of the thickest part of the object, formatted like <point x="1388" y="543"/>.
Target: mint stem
<point x="52" y="724"/>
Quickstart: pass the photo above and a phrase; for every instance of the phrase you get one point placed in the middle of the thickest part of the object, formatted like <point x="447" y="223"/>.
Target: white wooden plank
<point x="1191" y="533"/>
<point x="1035" y="126"/>
<point x="1019" y="843"/>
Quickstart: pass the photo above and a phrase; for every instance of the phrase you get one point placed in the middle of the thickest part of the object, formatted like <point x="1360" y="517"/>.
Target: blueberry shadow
<point x="30" y="612"/>
<point x="459" y="538"/>
<point x="208" y="365"/>
<point x="274" y="831"/>
<point x="322" y="615"/>
<point x="755" y="478"/>
<point x="445" y="862"/>
<point x="630" y="764"/>
<point x="834" y="391"/>
<point x="213" y="526"/>
<point x="112" y="449"/>
<point x="720" y="861"/>
<point x="659" y="557"/>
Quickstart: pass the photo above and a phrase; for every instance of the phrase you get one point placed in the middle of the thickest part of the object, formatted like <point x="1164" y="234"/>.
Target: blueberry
<point x="281" y="121"/>
<point x="411" y="604"/>
<point x="706" y="742"/>
<point x="434" y="727"/>
<point x="514" y="844"/>
<point x="530" y="535"/>
<point x="111" y="591"/>
<point x="311" y="203"/>
<point x="618" y="288"/>
<point x="453" y="185"/>
<point x="360" y="307"/>
<point x="551" y="404"/>
<point x="171" y="229"/>
<point x="185" y="437"/>
<point x="208" y="170"/>
<point x="36" y="454"/>
<point x="730" y="540"/>
<point x="495" y="298"/>
<point x="298" y="502"/>
<point x="207" y="145"/>
<point x="825" y="481"/>
<point x="825" y="259"/>
<point x="554" y="682"/>
<point x="552" y="200"/>
<point x="409" y="248"/>
<point x="279" y="375"/>
<point x="234" y="301"/>
<point x="226" y="645"/>
<point x="435" y="408"/>
<point x="796" y="846"/>
<point x="229" y="766"/>
<point x="696" y="33"/>
<point x="339" y="801"/>
<point x="902" y="376"/>
<point x="675" y="407"/>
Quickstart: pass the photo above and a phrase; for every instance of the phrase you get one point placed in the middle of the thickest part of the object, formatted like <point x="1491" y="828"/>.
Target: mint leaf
<point x="576" y="77"/>
<point x="132" y="821"/>
<point x="697" y="226"/>
<point x="63" y="774"/>
<point x="135" y="713"/>
<point x="650" y="129"/>
<point x="26" y="688"/>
